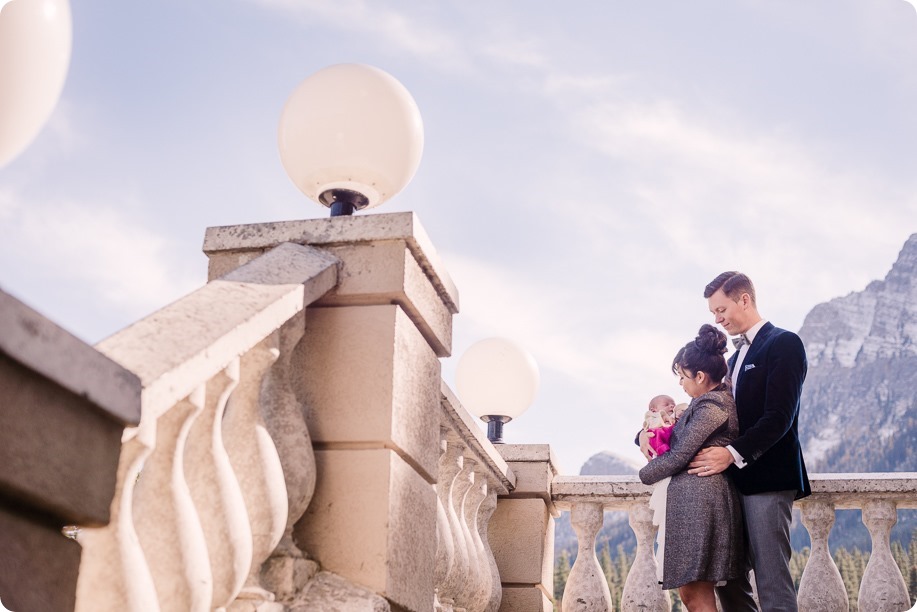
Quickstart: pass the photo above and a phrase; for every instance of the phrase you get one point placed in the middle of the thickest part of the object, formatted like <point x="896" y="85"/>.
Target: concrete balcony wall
<point x="63" y="407"/>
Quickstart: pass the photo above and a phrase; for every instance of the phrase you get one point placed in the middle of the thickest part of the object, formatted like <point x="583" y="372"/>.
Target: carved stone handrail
<point x="201" y="499"/>
<point x="879" y="495"/>
<point x="471" y="476"/>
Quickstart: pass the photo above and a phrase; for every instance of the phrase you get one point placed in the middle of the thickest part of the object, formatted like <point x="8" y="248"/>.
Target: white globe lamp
<point x="35" y="41"/>
<point x="350" y="137"/>
<point x="496" y="380"/>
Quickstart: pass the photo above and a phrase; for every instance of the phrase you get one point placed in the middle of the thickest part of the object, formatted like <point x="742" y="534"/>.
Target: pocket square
<point x="748" y="367"/>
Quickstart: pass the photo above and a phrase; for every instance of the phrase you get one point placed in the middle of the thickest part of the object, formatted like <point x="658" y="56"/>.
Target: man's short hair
<point x="733" y="284"/>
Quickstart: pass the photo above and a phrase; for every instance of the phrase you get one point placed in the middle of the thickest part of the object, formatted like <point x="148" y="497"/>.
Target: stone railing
<point x="878" y="495"/>
<point x="218" y="468"/>
<point x="471" y="476"/>
<point x="268" y="428"/>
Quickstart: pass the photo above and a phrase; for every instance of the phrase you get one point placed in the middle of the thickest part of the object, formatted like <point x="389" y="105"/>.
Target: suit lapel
<point x="753" y="350"/>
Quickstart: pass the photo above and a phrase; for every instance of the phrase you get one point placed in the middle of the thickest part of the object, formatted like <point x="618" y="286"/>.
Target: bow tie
<point x="740" y="341"/>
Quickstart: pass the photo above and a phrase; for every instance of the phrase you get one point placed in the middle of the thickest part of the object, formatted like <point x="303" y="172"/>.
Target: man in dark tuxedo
<point x="765" y="461"/>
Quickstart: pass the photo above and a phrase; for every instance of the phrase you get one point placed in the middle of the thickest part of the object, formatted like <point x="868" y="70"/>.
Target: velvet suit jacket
<point x="767" y="394"/>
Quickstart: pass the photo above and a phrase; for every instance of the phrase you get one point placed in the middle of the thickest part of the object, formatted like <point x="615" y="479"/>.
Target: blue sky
<point x="587" y="169"/>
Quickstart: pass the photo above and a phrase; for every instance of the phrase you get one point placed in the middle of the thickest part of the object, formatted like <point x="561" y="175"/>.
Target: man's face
<point x="732" y="316"/>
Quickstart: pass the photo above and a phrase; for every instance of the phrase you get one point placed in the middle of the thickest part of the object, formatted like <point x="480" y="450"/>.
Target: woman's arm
<point x="704" y="419"/>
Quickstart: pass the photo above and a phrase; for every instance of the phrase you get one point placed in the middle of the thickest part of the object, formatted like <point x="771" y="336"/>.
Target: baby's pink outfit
<point x="660" y="440"/>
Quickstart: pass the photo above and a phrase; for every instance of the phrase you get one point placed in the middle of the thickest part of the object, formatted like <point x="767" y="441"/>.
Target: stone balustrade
<point x="879" y="496"/>
<point x="201" y="499"/>
<point x="471" y="476"/>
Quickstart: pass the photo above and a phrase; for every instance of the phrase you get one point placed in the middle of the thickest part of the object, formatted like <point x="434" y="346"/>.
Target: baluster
<point x="450" y="466"/>
<point x="114" y="575"/>
<point x="882" y="588"/>
<point x="445" y="547"/>
<point x="463" y="483"/>
<point x="641" y="588"/>
<point x="166" y="520"/>
<point x="479" y="598"/>
<point x="821" y="586"/>
<point x="257" y="467"/>
<point x="216" y="492"/>
<point x="587" y="589"/>
<point x="485" y="511"/>
<point x="284" y="415"/>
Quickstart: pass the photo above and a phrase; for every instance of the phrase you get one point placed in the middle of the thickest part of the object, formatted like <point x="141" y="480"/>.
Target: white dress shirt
<point x="750" y="334"/>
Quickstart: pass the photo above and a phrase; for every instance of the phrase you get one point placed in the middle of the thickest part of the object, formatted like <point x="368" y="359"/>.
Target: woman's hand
<point x="645" y="447"/>
<point x="711" y="460"/>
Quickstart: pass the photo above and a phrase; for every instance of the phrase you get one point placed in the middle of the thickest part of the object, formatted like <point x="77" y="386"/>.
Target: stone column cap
<point x="339" y="231"/>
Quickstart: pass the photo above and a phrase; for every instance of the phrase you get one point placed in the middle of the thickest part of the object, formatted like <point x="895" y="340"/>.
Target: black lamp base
<point x="495" y="424"/>
<point x="343" y="202"/>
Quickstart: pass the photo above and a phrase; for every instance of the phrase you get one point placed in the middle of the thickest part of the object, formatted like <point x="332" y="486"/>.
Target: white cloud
<point x="105" y="250"/>
<point x="405" y="30"/>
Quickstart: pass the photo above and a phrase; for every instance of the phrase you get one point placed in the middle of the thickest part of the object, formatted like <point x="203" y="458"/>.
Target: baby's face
<point x="665" y="404"/>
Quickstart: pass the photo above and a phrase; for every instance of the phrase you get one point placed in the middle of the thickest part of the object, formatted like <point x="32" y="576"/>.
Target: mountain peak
<point x="876" y="323"/>
<point x="608" y="463"/>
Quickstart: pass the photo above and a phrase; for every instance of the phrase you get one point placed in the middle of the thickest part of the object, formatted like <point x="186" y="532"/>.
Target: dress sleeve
<point x="704" y="419"/>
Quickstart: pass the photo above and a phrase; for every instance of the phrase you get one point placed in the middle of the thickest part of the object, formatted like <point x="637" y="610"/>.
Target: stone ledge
<point x="49" y="350"/>
<point x="338" y="231"/>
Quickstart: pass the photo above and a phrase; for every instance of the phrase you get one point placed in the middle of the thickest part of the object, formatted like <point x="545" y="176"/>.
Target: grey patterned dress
<point x="703" y="536"/>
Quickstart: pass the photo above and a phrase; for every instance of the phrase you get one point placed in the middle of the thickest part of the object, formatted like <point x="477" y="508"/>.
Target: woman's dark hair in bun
<point x="703" y="354"/>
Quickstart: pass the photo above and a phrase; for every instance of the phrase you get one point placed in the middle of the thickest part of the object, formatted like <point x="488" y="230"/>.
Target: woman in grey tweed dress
<point x="703" y="534"/>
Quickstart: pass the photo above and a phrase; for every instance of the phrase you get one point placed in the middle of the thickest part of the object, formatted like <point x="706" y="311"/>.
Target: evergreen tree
<point x="900" y="557"/>
<point x="561" y="573"/>
<point x="611" y="574"/>
<point x="798" y="560"/>
<point x="912" y="583"/>
<point x="847" y="568"/>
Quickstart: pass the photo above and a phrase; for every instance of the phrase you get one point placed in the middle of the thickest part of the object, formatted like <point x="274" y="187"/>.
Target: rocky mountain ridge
<point x="860" y="397"/>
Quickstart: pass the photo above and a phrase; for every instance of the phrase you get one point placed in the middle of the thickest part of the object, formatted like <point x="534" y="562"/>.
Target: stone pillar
<point x="641" y="589"/>
<point x="883" y="588"/>
<point x="521" y="530"/>
<point x="587" y="589"/>
<point x="64" y="407"/>
<point x="821" y="586"/>
<point x="369" y="378"/>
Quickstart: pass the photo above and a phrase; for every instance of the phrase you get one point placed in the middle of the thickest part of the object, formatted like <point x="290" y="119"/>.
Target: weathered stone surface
<point x="821" y="586"/>
<point x="587" y="589"/>
<point x="57" y="392"/>
<point x="372" y="520"/>
<point x="458" y="420"/>
<point x="66" y="361"/>
<point x="331" y="593"/>
<point x="642" y="592"/>
<point x="64" y="407"/>
<point x="372" y="381"/>
<point x="189" y="341"/>
<point x="76" y="481"/>
<point x="517" y="599"/>
<point x="521" y="536"/>
<point x="385" y="259"/>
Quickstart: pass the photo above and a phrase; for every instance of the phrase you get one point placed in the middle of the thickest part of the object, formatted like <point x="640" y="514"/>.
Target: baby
<point x="659" y="420"/>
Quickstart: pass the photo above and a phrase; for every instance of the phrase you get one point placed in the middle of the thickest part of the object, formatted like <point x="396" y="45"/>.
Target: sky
<point x="587" y="168"/>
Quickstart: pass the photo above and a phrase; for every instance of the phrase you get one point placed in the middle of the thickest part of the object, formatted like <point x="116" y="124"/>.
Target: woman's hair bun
<point x="711" y="340"/>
